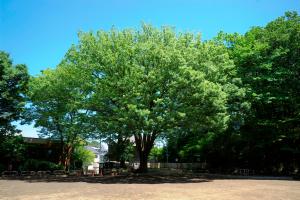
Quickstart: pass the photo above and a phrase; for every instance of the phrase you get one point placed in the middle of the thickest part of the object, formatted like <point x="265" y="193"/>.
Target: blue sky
<point x="39" y="32"/>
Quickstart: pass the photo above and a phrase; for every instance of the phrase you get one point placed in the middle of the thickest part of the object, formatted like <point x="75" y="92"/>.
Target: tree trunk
<point x="122" y="163"/>
<point x="68" y="157"/>
<point x="65" y="157"/>
<point x="121" y="146"/>
<point x="62" y="156"/>
<point x="143" y="168"/>
<point x="144" y="144"/>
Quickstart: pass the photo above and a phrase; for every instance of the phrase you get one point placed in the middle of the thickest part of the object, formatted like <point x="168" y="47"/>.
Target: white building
<point x="99" y="158"/>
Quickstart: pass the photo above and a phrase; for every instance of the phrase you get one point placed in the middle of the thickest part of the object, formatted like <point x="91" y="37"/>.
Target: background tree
<point x="152" y="82"/>
<point x="120" y="149"/>
<point x="12" y="152"/>
<point x="157" y="154"/>
<point x="13" y="86"/>
<point x="82" y="155"/>
<point x="268" y="62"/>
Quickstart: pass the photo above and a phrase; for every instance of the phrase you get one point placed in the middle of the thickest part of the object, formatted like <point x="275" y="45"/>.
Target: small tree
<point x="156" y="154"/>
<point x="57" y="108"/>
<point x="83" y="155"/>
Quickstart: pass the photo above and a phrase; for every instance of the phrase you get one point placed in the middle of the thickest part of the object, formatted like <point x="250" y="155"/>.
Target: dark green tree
<point x="13" y="87"/>
<point x="120" y="149"/>
<point x="268" y="62"/>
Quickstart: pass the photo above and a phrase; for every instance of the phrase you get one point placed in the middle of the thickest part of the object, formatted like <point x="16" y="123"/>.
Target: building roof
<point x="32" y="140"/>
<point x="97" y="150"/>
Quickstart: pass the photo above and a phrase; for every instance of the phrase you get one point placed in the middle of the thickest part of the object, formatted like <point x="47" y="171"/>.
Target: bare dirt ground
<point x="148" y="187"/>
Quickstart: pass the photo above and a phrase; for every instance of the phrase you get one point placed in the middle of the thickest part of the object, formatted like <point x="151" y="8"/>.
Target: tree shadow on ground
<point x="120" y="179"/>
<point x="145" y="178"/>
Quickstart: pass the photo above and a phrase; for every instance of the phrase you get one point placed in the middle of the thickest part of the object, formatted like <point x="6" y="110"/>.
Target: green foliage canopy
<point x="57" y="108"/>
<point x="13" y="86"/>
<point x="268" y="63"/>
<point x="150" y="82"/>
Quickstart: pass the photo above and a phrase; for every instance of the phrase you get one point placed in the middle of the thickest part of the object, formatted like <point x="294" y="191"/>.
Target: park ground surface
<point x="148" y="187"/>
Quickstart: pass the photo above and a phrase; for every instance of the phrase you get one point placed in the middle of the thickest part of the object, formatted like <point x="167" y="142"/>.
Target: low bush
<point x="39" y="165"/>
<point x="2" y="168"/>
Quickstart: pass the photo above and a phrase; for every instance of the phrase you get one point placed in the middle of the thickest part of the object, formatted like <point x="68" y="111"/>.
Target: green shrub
<point x="29" y="165"/>
<point x="39" y="165"/>
<point x="2" y="168"/>
<point x="46" y="165"/>
<point x="81" y="154"/>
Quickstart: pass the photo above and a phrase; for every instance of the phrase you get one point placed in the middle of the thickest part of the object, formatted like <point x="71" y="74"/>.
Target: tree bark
<point x="143" y="168"/>
<point x="68" y="155"/>
<point x="62" y="155"/>
<point x="121" y="146"/>
<point x="122" y="163"/>
<point x="65" y="157"/>
<point x="144" y="144"/>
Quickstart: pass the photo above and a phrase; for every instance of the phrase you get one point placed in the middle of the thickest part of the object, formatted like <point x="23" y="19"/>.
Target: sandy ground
<point x="154" y="188"/>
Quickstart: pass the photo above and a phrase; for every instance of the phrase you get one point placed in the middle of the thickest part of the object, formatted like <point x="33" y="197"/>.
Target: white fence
<point x="177" y="165"/>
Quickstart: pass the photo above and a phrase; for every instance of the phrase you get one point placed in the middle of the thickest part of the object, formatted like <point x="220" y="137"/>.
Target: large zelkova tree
<point x="57" y="108"/>
<point x="13" y="86"/>
<point x="152" y="82"/>
<point x="268" y="61"/>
